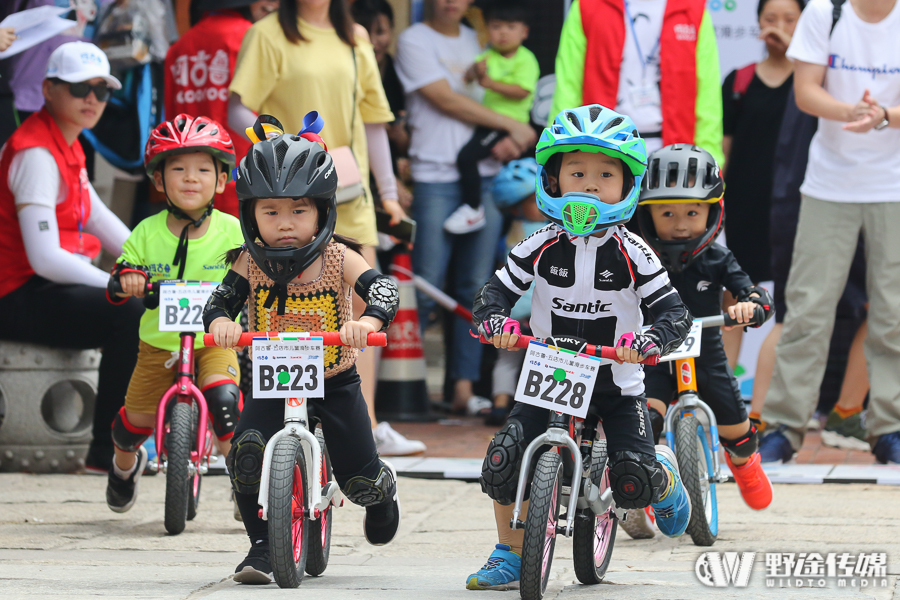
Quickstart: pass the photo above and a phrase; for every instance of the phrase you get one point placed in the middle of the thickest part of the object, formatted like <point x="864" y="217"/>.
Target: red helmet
<point x="185" y="134"/>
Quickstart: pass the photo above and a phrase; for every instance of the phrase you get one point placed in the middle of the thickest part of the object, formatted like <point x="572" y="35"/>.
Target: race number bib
<point x="690" y="348"/>
<point x="557" y="379"/>
<point x="289" y="366"/>
<point x="181" y="304"/>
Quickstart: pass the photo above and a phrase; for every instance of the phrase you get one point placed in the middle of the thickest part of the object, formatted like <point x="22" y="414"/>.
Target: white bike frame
<point x="296" y="424"/>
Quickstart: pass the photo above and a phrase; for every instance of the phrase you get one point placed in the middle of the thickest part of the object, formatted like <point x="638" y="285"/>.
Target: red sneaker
<point x="753" y="482"/>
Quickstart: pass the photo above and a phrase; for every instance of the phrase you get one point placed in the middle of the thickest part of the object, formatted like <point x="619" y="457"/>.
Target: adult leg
<point x="80" y="317"/>
<point x="475" y="253"/>
<point x="431" y="251"/>
<point x="765" y="364"/>
<point x="827" y="235"/>
<point x="882" y="345"/>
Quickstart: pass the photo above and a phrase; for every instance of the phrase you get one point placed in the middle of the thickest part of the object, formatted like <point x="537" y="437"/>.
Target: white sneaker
<point x="389" y="442"/>
<point x="465" y="219"/>
<point x="478" y="406"/>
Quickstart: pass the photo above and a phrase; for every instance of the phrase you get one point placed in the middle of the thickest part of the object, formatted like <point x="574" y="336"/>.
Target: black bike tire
<point x="549" y="473"/>
<point x="288" y="572"/>
<point x="178" y="456"/>
<point x="583" y="548"/>
<point x="319" y="552"/>
<point x="688" y="456"/>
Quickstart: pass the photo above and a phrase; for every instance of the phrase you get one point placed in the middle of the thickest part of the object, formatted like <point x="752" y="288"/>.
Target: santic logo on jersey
<point x="589" y="308"/>
<point x="836" y="61"/>
<point x="605" y="276"/>
<point x="703" y="285"/>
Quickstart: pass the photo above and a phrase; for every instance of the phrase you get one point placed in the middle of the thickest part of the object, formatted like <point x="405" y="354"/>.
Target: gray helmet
<point x="681" y="173"/>
<point x="285" y="166"/>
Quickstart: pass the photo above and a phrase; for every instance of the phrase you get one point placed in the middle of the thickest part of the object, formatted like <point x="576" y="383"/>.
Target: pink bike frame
<point x="184" y="390"/>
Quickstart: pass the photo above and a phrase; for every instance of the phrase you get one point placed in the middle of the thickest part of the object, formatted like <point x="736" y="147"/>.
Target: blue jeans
<point x="473" y="254"/>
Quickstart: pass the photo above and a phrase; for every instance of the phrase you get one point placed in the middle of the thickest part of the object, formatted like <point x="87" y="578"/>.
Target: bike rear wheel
<point x="692" y="448"/>
<point x="288" y="525"/>
<point x="178" y="458"/>
<point x="540" y="526"/>
<point x="320" y="529"/>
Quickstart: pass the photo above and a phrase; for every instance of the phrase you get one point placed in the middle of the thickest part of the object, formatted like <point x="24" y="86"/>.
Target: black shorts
<point x="716" y="383"/>
<point x="626" y="422"/>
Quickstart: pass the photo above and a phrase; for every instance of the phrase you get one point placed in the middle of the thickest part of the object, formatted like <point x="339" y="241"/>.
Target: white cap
<point x="75" y="62"/>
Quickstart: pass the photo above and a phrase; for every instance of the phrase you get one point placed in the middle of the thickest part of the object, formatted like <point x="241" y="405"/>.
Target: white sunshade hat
<point x="75" y="62"/>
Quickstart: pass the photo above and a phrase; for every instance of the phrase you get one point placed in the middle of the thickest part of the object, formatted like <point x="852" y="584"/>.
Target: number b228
<point x="567" y="395"/>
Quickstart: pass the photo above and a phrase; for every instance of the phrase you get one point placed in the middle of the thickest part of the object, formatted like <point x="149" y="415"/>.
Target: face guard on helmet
<point x="184" y="135"/>
<point x="515" y="182"/>
<point x="285" y="166"/>
<point x="681" y="173"/>
<point x="595" y="129"/>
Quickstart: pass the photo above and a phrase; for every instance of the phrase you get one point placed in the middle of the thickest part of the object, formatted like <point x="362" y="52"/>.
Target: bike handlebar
<point x="329" y="338"/>
<point x="608" y="352"/>
<point x="726" y="321"/>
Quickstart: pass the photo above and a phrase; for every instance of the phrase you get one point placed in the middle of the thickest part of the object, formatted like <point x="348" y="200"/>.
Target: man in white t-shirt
<point x="851" y="81"/>
<point x="432" y="59"/>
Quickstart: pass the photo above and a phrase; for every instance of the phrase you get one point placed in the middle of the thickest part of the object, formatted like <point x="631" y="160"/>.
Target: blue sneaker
<point x="774" y="447"/>
<point x="500" y="572"/>
<point x="887" y="448"/>
<point x="673" y="511"/>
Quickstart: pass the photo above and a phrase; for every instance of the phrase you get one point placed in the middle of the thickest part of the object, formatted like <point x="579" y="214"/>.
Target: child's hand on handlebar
<point x="355" y="333"/>
<point x="225" y="332"/>
<point x="742" y="312"/>
<point x="501" y="331"/>
<point x="133" y="284"/>
<point x="635" y="347"/>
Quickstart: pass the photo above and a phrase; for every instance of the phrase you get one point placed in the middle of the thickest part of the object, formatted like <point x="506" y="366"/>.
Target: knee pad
<point x="636" y="479"/>
<point x="744" y="446"/>
<point x="245" y="461"/>
<point x="223" y="399"/>
<point x="657" y="420"/>
<point x="363" y="491"/>
<point x="500" y="469"/>
<point x="126" y="436"/>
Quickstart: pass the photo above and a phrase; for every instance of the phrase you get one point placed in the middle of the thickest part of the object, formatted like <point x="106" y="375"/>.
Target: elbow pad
<point x="381" y="294"/>
<point x="113" y="286"/>
<point x="764" y="303"/>
<point x="492" y="300"/>
<point x="680" y="320"/>
<point x="227" y="300"/>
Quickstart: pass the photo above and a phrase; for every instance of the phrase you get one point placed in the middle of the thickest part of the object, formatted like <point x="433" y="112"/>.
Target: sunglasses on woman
<point x="81" y="90"/>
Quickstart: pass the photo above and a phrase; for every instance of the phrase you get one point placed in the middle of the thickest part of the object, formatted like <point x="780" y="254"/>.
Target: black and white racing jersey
<point x="592" y="288"/>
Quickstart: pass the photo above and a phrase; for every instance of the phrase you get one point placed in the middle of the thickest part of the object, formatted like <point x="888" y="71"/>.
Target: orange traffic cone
<point x="402" y="393"/>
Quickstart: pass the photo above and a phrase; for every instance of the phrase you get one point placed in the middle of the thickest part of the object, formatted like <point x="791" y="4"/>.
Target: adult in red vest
<point x="200" y="65"/>
<point x="53" y="224"/>
<point x="653" y="60"/>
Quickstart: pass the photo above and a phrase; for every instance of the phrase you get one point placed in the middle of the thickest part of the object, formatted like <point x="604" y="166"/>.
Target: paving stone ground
<point x="59" y="540"/>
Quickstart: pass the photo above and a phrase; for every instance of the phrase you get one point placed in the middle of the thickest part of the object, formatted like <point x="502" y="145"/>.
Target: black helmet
<point x="285" y="166"/>
<point x="681" y="173"/>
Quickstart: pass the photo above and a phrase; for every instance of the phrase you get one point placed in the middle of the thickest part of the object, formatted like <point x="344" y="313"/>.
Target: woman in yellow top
<point x="311" y="56"/>
<point x="302" y="59"/>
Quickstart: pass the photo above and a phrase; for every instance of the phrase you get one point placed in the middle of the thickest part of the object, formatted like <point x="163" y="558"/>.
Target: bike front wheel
<point x="178" y="458"/>
<point x="540" y="526"/>
<point x="288" y="523"/>
<point x="692" y="448"/>
<point x="320" y="529"/>
<point x="593" y="540"/>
